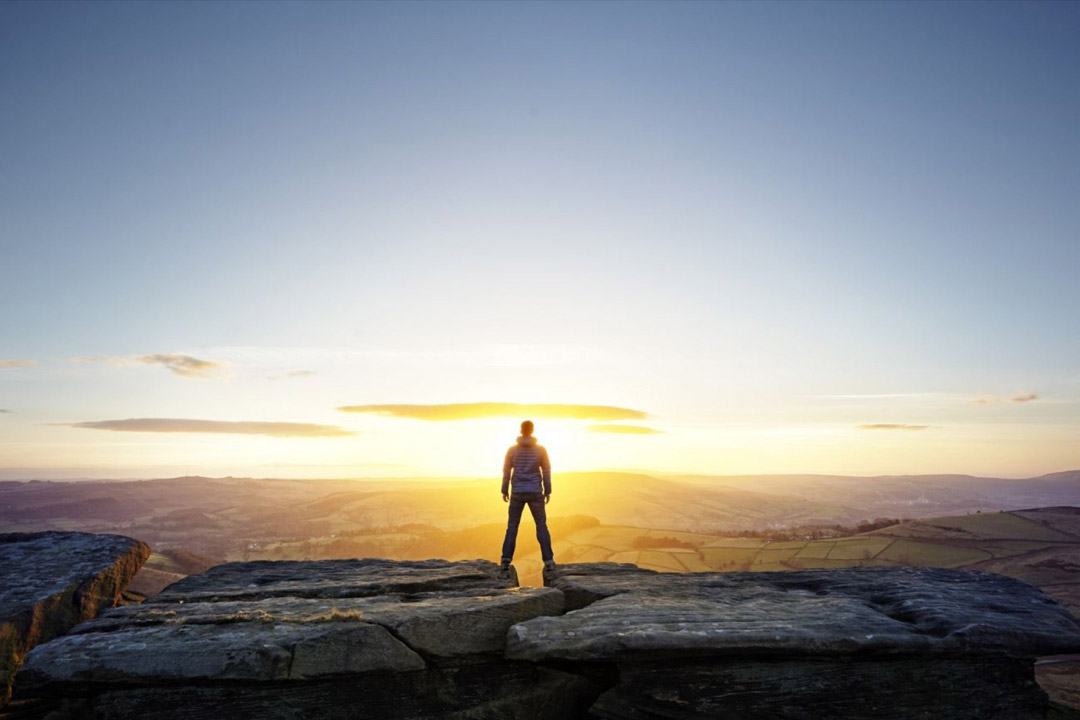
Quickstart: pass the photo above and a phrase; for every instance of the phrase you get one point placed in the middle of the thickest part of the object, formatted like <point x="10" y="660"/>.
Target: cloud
<point x="4" y="412"/>
<point x="624" y="429"/>
<point x="16" y="363"/>
<point x="1020" y="397"/>
<point x="471" y="411"/>
<point x="183" y="365"/>
<point x="179" y="425"/>
<point x="892" y="426"/>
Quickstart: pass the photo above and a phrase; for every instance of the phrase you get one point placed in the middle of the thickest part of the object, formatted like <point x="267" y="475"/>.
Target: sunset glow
<point x="367" y="239"/>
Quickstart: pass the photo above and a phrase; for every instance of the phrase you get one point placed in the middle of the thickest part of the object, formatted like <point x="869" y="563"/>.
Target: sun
<point x="566" y="442"/>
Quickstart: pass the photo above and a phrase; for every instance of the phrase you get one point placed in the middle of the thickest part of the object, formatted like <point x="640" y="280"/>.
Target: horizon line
<point x="475" y="478"/>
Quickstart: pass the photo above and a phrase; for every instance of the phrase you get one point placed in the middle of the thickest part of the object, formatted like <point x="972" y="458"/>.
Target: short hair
<point x="527" y="427"/>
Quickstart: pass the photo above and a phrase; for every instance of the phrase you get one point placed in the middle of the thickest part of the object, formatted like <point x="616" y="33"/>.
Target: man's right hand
<point x="506" y="498"/>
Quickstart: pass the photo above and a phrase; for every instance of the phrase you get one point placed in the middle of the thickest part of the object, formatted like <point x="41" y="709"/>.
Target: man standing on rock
<point x="528" y="467"/>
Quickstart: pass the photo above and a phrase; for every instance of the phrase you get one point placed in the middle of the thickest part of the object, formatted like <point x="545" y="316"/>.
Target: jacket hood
<point x="526" y="440"/>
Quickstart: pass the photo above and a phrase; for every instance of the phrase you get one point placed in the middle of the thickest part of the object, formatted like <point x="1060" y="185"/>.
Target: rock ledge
<point x="434" y="639"/>
<point x="853" y="643"/>
<point x="49" y="581"/>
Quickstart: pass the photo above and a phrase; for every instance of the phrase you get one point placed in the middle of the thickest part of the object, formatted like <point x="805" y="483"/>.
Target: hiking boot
<point x="549" y="565"/>
<point x="504" y="566"/>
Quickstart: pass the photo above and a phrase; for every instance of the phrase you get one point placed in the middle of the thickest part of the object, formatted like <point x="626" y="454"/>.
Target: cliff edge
<point x="434" y="639"/>
<point x="50" y="581"/>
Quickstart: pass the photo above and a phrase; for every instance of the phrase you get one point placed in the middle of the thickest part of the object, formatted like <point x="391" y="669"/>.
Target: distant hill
<point x="223" y="518"/>
<point x="909" y="495"/>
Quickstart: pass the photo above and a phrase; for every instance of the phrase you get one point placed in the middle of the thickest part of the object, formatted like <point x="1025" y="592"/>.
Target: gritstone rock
<point x="852" y="643"/>
<point x="49" y="581"/>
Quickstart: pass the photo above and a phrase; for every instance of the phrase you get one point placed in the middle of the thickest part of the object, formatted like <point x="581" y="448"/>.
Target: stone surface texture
<point x="441" y="639"/>
<point x="852" y="643"/>
<point x="49" y="581"/>
<point x="422" y="639"/>
<point x="640" y="614"/>
<point x="364" y="577"/>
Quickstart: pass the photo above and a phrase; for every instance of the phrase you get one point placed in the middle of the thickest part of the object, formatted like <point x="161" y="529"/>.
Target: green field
<point x="999" y="542"/>
<point x="863" y="547"/>
<point x="980" y="526"/>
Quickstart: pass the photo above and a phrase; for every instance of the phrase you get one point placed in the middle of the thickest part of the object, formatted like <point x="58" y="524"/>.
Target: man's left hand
<point x="547" y="499"/>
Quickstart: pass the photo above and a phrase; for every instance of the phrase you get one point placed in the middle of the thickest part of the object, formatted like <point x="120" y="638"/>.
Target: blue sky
<point x="765" y="224"/>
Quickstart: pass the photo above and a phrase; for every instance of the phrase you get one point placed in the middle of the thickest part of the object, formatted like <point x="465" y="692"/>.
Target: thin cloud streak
<point x="892" y="426"/>
<point x="1020" y="397"/>
<point x="184" y="425"/>
<point x="616" y="429"/>
<point x="473" y="411"/>
<point x="185" y="365"/>
<point x="178" y="364"/>
<point x="17" y="363"/>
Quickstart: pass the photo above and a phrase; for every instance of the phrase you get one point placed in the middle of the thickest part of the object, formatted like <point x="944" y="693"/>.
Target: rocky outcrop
<point x="335" y="638"/>
<point x="50" y="581"/>
<point x="291" y="638"/>
<point x="866" y="642"/>
<point x="630" y="613"/>
<point x="433" y="639"/>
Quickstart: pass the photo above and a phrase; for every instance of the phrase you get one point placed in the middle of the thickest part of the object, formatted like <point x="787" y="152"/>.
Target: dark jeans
<point x="535" y="501"/>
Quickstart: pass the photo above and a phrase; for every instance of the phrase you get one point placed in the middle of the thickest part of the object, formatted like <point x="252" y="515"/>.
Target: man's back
<point x="528" y="465"/>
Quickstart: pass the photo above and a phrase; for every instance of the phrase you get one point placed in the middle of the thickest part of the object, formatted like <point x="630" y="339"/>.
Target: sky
<point x="368" y="239"/>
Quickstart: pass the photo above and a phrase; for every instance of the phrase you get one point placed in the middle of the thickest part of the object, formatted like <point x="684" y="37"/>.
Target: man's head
<point x="527" y="428"/>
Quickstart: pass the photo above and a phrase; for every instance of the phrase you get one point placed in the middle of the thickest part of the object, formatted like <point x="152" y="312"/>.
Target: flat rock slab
<point x="50" y="581"/>
<point x="362" y="577"/>
<point x="447" y="623"/>
<point x="270" y="622"/>
<point x="249" y="651"/>
<point x="881" y="643"/>
<point x="640" y="615"/>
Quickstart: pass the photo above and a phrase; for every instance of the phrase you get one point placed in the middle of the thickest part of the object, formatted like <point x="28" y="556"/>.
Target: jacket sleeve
<point x="508" y="465"/>
<point x="545" y="467"/>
